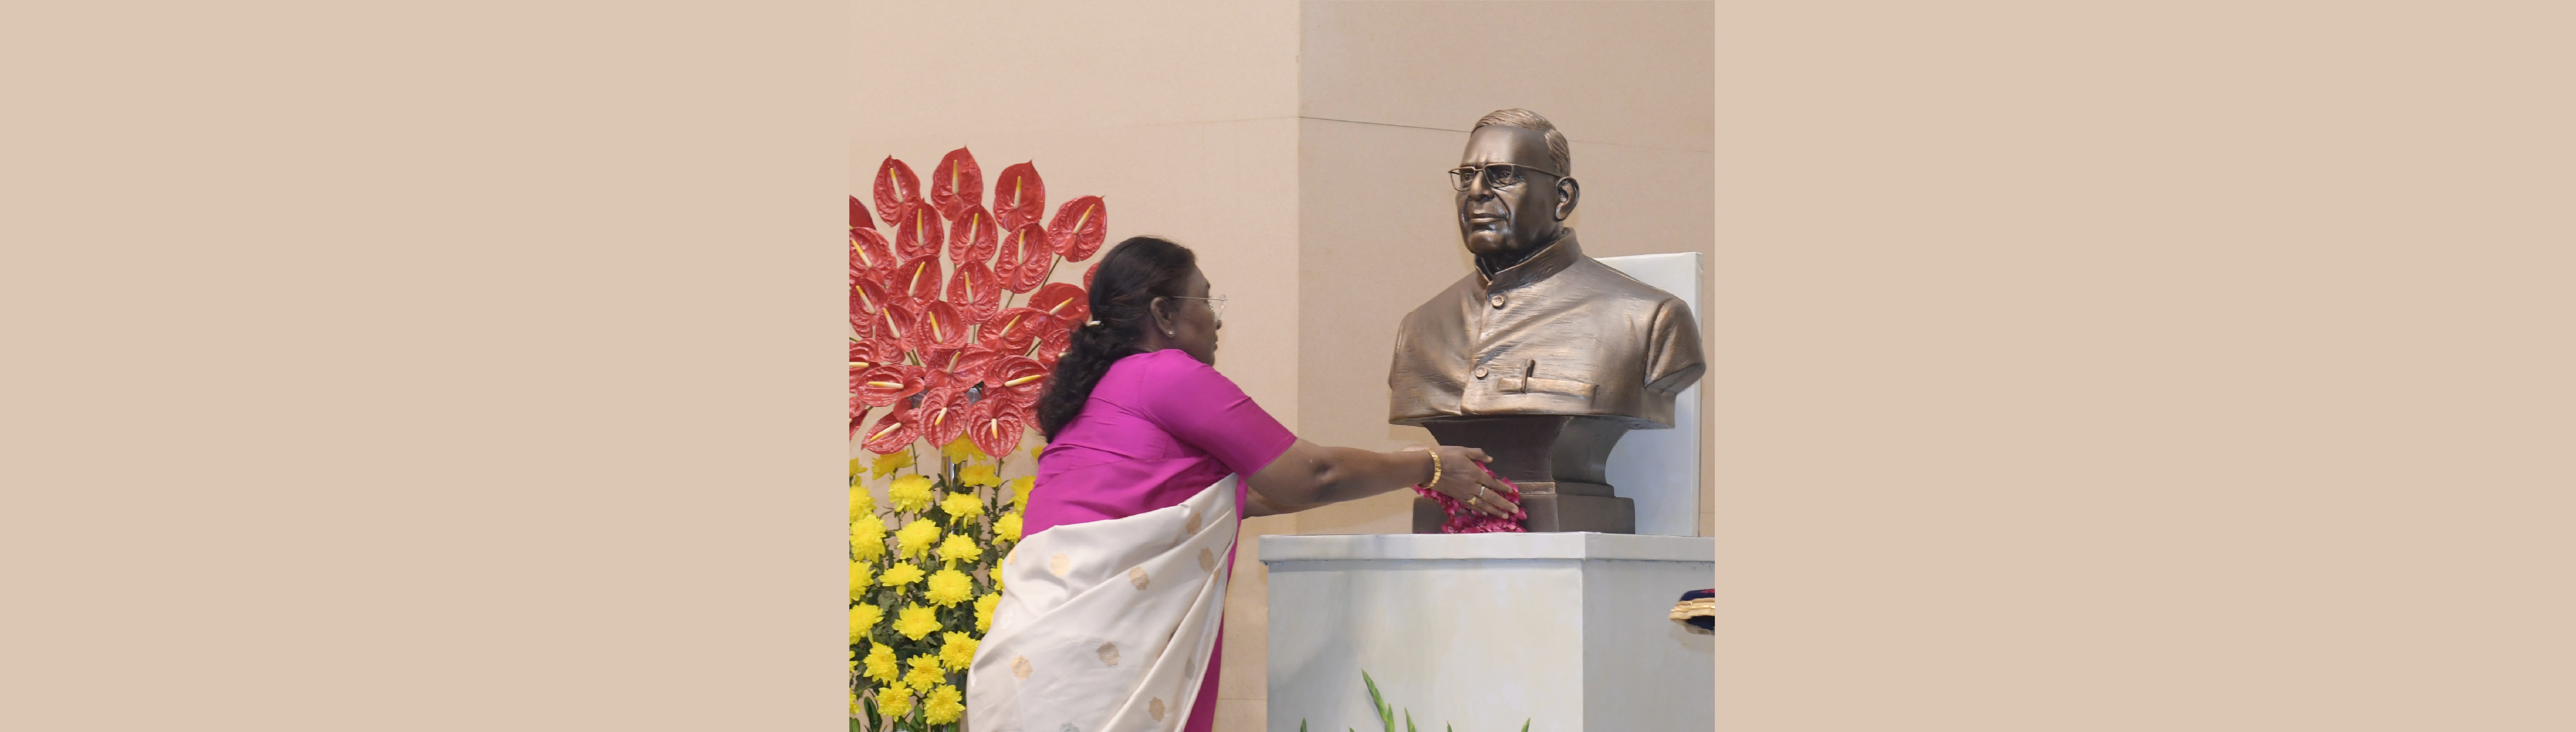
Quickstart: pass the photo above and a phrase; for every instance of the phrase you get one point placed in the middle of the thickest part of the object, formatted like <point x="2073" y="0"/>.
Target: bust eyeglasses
<point x="1497" y="176"/>
<point x="1216" y="305"/>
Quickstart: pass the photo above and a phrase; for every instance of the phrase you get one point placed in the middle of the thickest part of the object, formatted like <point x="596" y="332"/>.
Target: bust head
<point x="1513" y="191"/>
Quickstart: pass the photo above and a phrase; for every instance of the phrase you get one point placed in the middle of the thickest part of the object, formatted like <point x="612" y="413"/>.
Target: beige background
<point x="2199" y="365"/>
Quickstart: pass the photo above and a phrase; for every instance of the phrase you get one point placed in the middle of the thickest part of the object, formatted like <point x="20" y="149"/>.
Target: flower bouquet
<point x="945" y="373"/>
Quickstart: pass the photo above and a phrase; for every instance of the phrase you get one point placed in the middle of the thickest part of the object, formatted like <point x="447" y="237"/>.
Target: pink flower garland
<point x="1463" y="520"/>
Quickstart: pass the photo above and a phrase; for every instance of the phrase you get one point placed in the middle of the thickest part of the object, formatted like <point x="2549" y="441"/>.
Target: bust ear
<point x="1566" y="192"/>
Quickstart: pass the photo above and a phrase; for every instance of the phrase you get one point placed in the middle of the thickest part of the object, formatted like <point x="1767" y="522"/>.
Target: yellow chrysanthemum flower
<point x="949" y="587"/>
<point x="899" y="575"/>
<point x="1007" y="528"/>
<point x="980" y="476"/>
<point x="916" y="538"/>
<point x="867" y="538"/>
<point x="909" y="493"/>
<point x="942" y="706"/>
<point x="962" y="508"/>
<point x="963" y="450"/>
<point x="863" y="618"/>
<point x="984" y="610"/>
<point x="1034" y="450"/>
<point x="958" y="548"/>
<point x="1020" y="488"/>
<point x="894" y="701"/>
<point x="862" y="577"/>
<point x="925" y="672"/>
<point x="862" y="503"/>
<point x="881" y="664"/>
<point x="915" y="621"/>
<point x="956" y="650"/>
<point x="888" y="463"/>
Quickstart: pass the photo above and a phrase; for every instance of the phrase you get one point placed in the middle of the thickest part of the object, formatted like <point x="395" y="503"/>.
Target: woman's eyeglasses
<point x="1497" y="176"/>
<point x="1215" y="305"/>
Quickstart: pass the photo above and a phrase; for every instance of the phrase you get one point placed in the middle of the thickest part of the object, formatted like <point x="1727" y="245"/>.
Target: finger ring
<point x="1480" y="495"/>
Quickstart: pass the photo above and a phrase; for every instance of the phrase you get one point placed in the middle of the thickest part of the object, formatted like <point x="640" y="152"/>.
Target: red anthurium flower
<point x="942" y="358"/>
<point x="956" y="183"/>
<point x="896" y="189"/>
<point x="886" y="384"/>
<point x="975" y="292"/>
<point x="919" y="232"/>
<point x="917" y="277"/>
<point x="1011" y="331"/>
<point x="868" y="296"/>
<point x="859" y="215"/>
<point x="994" y="426"/>
<point x="868" y="353"/>
<point x="892" y="432"/>
<point x="894" y="325"/>
<point x="870" y="251"/>
<point x="1014" y="378"/>
<point x="972" y="236"/>
<point x="862" y="323"/>
<point x="939" y="325"/>
<point x="1026" y="252"/>
<point x="1053" y="337"/>
<point x="943" y="416"/>
<point x="1079" y="228"/>
<point x="1086" y="275"/>
<point x="1063" y="300"/>
<point x="970" y="363"/>
<point x="1019" y="198"/>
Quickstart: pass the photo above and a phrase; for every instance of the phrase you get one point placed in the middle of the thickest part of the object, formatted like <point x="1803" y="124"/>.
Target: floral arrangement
<point x="945" y="372"/>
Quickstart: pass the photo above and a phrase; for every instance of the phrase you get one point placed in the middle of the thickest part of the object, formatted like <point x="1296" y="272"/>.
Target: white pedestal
<point x="1482" y="631"/>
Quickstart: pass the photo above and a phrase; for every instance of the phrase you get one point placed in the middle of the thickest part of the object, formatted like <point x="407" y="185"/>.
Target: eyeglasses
<point x="1497" y="175"/>
<point x="1215" y="305"/>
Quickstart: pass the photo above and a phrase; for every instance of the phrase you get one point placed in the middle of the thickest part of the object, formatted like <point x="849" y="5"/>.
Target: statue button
<point x="1497" y="300"/>
<point x="1480" y="372"/>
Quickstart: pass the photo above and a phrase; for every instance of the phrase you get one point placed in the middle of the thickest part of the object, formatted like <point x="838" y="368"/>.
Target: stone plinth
<point x="1483" y="631"/>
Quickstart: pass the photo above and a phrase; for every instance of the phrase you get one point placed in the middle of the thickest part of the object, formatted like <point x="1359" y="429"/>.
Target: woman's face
<point x="1193" y="320"/>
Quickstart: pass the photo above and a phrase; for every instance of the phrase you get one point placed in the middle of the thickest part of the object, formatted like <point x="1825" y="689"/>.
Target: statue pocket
<point x="1535" y="385"/>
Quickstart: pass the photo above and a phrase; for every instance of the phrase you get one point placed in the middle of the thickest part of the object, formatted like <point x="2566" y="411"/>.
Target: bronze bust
<point x="1542" y="357"/>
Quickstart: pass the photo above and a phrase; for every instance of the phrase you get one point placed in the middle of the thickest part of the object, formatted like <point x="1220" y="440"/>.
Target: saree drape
<point x="1106" y="626"/>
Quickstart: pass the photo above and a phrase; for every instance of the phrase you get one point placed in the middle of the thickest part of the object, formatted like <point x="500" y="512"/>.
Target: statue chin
<point x="1494" y="246"/>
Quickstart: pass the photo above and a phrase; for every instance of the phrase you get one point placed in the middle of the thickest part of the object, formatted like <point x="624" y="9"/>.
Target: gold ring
<point x="1480" y="495"/>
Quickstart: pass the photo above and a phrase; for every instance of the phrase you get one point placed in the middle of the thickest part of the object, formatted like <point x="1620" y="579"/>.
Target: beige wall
<point x="1180" y="115"/>
<point x="1383" y="113"/>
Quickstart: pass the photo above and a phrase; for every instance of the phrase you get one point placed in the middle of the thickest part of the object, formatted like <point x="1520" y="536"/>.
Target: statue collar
<point x="1549" y="260"/>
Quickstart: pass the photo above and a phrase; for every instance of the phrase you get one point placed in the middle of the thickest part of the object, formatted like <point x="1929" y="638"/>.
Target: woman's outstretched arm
<point x="1309" y="474"/>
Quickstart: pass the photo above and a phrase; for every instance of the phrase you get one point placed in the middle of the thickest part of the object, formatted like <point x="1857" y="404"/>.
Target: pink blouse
<point x="1159" y="428"/>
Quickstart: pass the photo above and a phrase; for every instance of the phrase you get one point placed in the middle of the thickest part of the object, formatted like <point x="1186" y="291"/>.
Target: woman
<point x="1113" y="602"/>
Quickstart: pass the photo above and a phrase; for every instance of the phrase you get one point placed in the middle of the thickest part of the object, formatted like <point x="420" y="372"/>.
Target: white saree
<point x="1106" y="626"/>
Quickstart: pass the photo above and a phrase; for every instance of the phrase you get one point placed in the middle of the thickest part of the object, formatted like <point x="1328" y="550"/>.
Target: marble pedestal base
<point x="1568" y="631"/>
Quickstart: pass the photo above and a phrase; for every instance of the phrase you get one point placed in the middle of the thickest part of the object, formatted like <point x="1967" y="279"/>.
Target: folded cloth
<point x="1698" y="609"/>
<point x="1463" y="520"/>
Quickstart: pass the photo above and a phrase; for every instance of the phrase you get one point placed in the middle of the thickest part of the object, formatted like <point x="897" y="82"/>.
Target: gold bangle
<point x="1435" y="469"/>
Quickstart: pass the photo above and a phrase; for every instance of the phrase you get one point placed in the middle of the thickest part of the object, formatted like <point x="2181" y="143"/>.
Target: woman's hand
<point x="1462" y="479"/>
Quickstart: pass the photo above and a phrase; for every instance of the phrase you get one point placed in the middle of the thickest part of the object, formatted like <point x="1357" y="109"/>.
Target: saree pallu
<point x="1106" y="626"/>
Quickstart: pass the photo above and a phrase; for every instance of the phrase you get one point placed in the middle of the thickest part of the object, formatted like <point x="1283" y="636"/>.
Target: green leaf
<point x="1408" y="721"/>
<point x="1385" y="711"/>
<point x="1525" y="725"/>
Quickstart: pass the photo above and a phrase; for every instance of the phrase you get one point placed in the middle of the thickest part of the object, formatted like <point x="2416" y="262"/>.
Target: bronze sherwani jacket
<point x="1558" y="333"/>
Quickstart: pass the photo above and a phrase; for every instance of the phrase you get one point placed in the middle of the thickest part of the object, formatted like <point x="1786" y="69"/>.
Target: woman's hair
<point x="1131" y="275"/>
